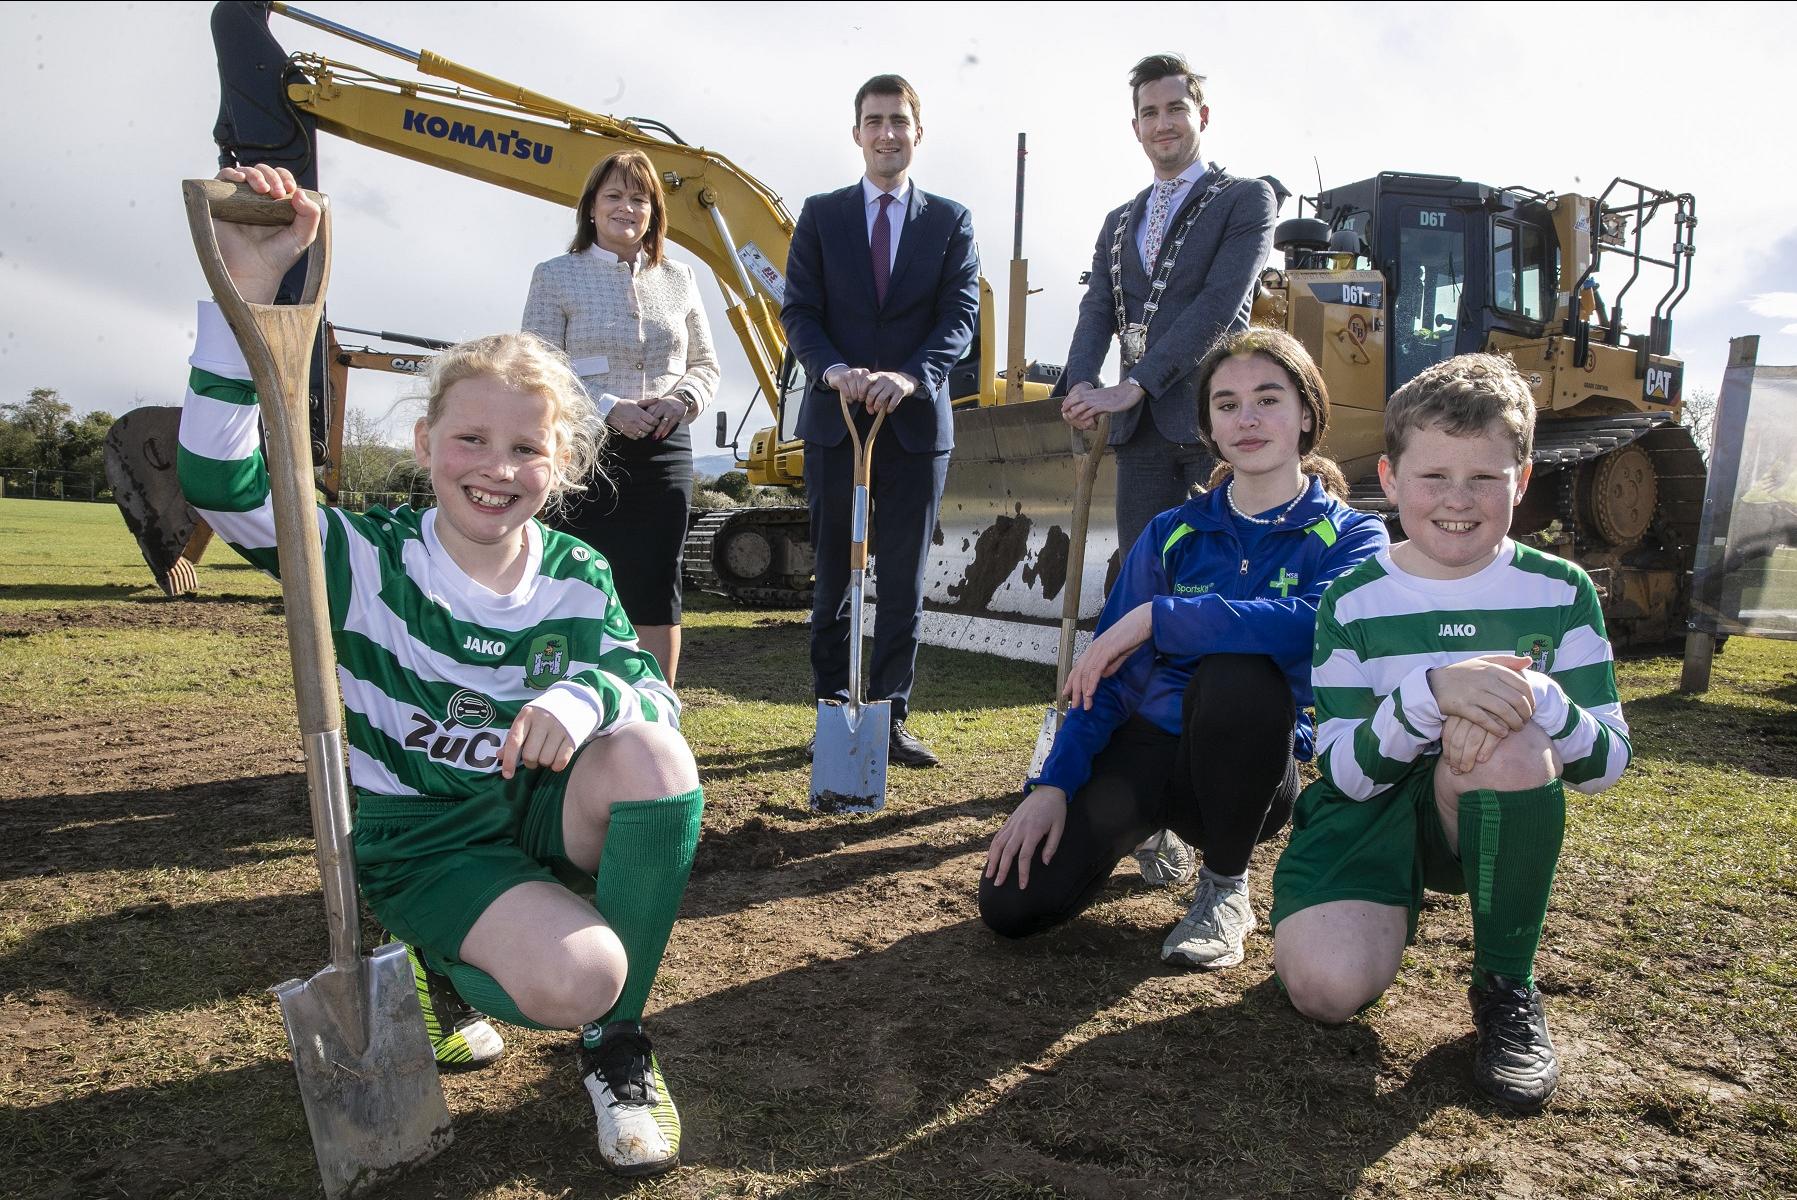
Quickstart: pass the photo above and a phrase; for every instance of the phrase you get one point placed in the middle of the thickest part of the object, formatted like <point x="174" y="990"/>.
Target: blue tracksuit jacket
<point x="1219" y="586"/>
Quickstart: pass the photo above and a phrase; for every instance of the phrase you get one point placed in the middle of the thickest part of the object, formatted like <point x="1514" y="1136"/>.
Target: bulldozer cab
<point x="1463" y="261"/>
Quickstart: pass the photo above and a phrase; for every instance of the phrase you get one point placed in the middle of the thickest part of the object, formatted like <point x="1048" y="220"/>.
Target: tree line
<point x="42" y="433"/>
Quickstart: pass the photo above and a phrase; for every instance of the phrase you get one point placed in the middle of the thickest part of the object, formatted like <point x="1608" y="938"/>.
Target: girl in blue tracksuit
<point x="1188" y="710"/>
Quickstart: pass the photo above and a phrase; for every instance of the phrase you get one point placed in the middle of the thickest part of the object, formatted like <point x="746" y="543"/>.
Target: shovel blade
<point x="366" y="1073"/>
<point x="1051" y="725"/>
<point x="848" y="760"/>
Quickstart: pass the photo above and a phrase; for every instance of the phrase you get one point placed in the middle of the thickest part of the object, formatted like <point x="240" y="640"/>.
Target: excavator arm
<point x="485" y="128"/>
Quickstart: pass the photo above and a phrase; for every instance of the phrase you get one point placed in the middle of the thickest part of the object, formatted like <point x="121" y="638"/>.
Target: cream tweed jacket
<point x="631" y="334"/>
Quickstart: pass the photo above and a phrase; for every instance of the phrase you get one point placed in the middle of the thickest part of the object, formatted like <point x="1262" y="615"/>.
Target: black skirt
<point x="637" y="520"/>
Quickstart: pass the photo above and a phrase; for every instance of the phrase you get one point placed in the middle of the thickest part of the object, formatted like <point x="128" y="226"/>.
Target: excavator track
<point x="759" y="556"/>
<point x="1620" y="494"/>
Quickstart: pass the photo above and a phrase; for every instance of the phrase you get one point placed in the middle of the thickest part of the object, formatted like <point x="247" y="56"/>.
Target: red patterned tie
<point x="882" y="249"/>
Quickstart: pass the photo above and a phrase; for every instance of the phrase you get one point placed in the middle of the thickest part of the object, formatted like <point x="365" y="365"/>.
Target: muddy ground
<point x="832" y="1016"/>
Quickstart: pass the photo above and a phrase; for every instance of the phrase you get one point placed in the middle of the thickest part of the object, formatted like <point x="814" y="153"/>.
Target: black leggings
<point x="1225" y="784"/>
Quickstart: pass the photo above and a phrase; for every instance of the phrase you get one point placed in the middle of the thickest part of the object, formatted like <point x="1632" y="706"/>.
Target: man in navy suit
<point x="882" y="298"/>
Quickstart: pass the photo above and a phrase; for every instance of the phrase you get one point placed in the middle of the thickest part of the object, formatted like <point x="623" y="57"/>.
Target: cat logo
<point x="548" y="661"/>
<point x="1659" y="383"/>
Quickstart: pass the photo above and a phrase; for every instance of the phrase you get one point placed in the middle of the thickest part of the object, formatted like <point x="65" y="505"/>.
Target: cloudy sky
<point x="112" y="104"/>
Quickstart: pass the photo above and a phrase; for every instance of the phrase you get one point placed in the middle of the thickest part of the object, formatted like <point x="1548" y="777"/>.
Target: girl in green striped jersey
<point x="526" y="808"/>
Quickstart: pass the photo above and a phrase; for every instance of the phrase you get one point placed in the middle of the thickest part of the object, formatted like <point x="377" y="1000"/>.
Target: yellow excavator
<point x="273" y="105"/>
<point x="1386" y="276"/>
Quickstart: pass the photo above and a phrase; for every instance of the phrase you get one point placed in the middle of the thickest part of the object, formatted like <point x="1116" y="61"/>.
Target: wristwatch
<point x="691" y="401"/>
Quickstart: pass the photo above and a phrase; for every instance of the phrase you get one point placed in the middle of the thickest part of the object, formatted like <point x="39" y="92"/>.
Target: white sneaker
<point x="639" y="1128"/>
<point x="1166" y="861"/>
<point x="1214" y="932"/>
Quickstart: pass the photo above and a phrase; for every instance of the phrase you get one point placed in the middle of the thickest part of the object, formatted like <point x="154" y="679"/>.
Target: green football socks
<point x="1509" y="847"/>
<point x="482" y="991"/>
<point x="642" y="875"/>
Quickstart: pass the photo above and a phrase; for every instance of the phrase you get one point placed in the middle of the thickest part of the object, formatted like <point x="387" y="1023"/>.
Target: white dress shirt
<point x="895" y="212"/>
<point x="1187" y="178"/>
<point x="895" y="221"/>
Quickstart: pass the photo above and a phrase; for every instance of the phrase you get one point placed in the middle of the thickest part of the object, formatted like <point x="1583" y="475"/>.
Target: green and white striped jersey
<point x="1380" y="630"/>
<point x="433" y="666"/>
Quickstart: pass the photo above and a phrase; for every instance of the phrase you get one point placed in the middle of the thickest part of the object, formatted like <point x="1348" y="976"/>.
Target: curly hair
<point x="526" y="362"/>
<point x="1463" y="397"/>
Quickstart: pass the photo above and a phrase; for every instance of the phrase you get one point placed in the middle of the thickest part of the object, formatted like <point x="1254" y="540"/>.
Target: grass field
<point x="832" y="1017"/>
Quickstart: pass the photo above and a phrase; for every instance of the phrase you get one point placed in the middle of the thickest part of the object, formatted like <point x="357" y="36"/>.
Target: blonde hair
<point x="527" y="363"/>
<point x="1463" y="397"/>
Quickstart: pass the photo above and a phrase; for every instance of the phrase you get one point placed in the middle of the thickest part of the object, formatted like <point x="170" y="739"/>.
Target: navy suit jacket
<point x="924" y="327"/>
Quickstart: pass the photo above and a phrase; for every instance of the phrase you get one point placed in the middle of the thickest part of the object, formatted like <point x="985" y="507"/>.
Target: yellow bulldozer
<point x="1395" y="273"/>
<point x="1385" y="277"/>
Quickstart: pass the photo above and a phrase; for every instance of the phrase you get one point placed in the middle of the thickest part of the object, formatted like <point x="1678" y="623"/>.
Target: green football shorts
<point x="430" y="866"/>
<point x="1386" y="850"/>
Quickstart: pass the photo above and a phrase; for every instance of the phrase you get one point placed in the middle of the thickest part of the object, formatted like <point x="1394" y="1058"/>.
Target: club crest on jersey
<point x="1538" y="648"/>
<point x="469" y="709"/>
<point x="547" y="661"/>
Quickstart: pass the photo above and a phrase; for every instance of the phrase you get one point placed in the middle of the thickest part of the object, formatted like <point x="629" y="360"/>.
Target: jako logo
<point x="513" y="143"/>
<point x="1459" y="631"/>
<point x="483" y="645"/>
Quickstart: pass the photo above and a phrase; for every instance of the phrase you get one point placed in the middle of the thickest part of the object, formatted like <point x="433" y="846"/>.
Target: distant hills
<point x="710" y="466"/>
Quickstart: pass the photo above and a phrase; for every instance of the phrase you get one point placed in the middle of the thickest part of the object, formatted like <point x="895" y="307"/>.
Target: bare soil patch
<point x="833" y="1017"/>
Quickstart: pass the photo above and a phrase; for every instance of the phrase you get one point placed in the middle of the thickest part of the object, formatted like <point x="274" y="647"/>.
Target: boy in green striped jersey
<point x="1462" y="682"/>
<point x="526" y="808"/>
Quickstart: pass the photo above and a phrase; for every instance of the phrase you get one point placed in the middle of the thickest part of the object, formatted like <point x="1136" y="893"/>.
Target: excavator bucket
<point x="139" y="453"/>
<point x="1000" y="558"/>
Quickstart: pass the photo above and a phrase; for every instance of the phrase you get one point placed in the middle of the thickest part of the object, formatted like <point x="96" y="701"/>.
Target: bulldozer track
<point x="756" y="556"/>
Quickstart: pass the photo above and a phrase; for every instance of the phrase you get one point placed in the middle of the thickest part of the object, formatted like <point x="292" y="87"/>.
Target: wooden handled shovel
<point x="1085" y="468"/>
<point x="366" y="1072"/>
<point x="849" y="757"/>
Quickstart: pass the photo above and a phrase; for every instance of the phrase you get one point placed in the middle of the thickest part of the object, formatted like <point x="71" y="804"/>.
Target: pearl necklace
<point x="1229" y="495"/>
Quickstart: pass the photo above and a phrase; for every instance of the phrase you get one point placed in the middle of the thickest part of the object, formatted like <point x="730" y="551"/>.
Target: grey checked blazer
<point x="631" y="335"/>
<point x="1209" y="294"/>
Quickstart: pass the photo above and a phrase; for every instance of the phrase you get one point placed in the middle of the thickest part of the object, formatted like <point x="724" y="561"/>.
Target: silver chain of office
<point x="1132" y="336"/>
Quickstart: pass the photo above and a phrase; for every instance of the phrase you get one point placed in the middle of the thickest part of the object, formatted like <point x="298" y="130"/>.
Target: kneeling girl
<point x="1188" y="709"/>
<point x="510" y="744"/>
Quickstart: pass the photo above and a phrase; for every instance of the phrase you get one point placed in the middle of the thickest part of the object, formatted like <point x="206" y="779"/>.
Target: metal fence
<point x="31" y="483"/>
<point x="360" y="501"/>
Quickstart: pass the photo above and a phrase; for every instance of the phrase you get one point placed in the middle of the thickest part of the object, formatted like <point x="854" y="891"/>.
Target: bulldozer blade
<point x="139" y="454"/>
<point x="1051" y="725"/>
<point x="366" y="1073"/>
<point x="849" y="758"/>
<point x="1000" y="559"/>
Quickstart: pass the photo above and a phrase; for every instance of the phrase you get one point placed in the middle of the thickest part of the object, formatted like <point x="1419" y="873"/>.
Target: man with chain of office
<point x="1174" y="269"/>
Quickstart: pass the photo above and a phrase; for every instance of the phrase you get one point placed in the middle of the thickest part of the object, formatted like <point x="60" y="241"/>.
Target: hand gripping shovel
<point x="1085" y="474"/>
<point x="848" y="759"/>
<point x="366" y="1072"/>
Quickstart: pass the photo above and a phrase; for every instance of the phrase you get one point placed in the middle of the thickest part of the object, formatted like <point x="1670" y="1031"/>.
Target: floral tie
<point x="1157" y="221"/>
